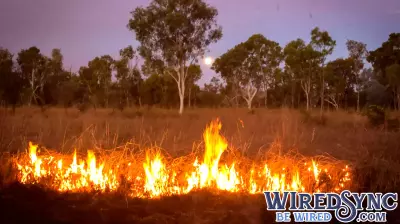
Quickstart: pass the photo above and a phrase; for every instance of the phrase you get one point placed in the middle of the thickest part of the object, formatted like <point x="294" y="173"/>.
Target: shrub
<point x="376" y="115"/>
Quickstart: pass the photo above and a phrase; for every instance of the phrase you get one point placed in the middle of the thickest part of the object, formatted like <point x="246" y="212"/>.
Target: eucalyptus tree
<point x="173" y="35"/>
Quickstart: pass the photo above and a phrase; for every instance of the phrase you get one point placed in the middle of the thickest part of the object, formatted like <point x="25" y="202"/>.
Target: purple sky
<point x="84" y="29"/>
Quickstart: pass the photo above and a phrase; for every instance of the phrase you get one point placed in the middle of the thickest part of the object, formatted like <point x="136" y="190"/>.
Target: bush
<point x="376" y="115"/>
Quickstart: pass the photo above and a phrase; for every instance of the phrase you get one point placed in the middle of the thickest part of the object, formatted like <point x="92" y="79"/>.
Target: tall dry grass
<point x="374" y="153"/>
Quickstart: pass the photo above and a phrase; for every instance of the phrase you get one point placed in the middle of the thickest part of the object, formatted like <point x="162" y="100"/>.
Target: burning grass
<point x="123" y="138"/>
<point x="153" y="173"/>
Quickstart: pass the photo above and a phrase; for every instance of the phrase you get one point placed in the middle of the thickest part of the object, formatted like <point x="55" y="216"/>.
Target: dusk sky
<point x="84" y="29"/>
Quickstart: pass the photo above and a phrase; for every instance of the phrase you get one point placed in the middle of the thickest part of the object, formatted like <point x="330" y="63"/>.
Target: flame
<point x="157" y="176"/>
<point x="208" y="174"/>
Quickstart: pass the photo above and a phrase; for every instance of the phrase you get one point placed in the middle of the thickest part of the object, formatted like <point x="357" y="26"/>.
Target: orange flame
<point x="157" y="177"/>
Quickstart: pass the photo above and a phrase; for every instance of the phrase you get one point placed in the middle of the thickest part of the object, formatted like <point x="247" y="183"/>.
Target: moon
<point x="208" y="60"/>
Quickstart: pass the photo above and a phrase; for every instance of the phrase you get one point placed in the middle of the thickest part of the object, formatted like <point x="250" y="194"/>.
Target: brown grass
<point x="374" y="153"/>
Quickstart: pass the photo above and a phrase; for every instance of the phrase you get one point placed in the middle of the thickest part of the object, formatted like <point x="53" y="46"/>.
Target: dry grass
<point x="374" y="154"/>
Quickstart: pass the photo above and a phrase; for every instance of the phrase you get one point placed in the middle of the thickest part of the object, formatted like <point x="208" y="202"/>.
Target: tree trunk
<point x="298" y="100"/>
<point x="266" y="98"/>
<point x="181" y="100"/>
<point x="398" y="99"/>
<point x="32" y="82"/>
<point x="249" y="104"/>
<point x="358" y="94"/>
<point x="189" y="96"/>
<point x="307" y="101"/>
<point x="293" y="94"/>
<point x="322" y="91"/>
<point x="181" y="90"/>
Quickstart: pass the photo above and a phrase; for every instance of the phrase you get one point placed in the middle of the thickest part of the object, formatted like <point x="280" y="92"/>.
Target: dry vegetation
<point x="374" y="154"/>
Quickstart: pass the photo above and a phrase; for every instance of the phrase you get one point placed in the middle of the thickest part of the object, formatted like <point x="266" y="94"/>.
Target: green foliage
<point x="379" y="117"/>
<point x="302" y="64"/>
<point x="173" y="34"/>
<point x="340" y="78"/>
<point x="250" y="61"/>
<point x="250" y="65"/>
<point x="385" y="56"/>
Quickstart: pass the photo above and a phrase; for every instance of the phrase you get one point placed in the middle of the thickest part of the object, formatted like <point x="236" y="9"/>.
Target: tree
<point x="214" y="86"/>
<point x="324" y="44"/>
<point x="68" y="90"/>
<point x="55" y="78"/>
<point x="267" y="56"/>
<point x="6" y="69"/>
<point x="301" y="62"/>
<point x="33" y="67"/>
<point x="340" y="79"/>
<point x="10" y="81"/>
<point x="237" y="65"/>
<point x="393" y="74"/>
<point x="128" y="76"/>
<point x="194" y="75"/>
<point x="250" y="65"/>
<point x="384" y="57"/>
<point x="358" y="52"/>
<point x="173" y="34"/>
<point x="96" y="79"/>
<point x="159" y="90"/>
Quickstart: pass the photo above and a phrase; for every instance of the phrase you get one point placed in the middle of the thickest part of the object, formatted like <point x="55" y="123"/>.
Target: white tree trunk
<point x="181" y="90"/>
<point x="181" y="100"/>
<point x="180" y="78"/>
<point x="332" y="101"/>
<point x="249" y="94"/>
<point x="358" y="93"/>
<point x="189" y="96"/>
<point x="307" y="101"/>
<point x="306" y="86"/>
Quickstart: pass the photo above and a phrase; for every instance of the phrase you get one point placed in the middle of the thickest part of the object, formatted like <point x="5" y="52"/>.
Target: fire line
<point x="157" y="176"/>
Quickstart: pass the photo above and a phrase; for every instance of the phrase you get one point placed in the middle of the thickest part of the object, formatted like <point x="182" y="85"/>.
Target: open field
<point x="373" y="154"/>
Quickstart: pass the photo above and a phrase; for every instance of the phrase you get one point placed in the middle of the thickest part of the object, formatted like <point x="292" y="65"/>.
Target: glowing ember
<point x="158" y="177"/>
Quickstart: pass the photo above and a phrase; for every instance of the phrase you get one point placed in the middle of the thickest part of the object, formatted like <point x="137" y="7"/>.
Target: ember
<point x="157" y="176"/>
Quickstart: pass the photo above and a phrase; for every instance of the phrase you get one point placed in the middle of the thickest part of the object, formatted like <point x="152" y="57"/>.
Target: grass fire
<point x="62" y="166"/>
<point x="151" y="174"/>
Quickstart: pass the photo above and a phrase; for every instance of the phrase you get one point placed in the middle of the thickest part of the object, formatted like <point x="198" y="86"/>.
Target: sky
<point x="84" y="29"/>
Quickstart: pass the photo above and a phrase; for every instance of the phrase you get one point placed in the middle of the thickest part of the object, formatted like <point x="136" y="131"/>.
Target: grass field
<point x="374" y="154"/>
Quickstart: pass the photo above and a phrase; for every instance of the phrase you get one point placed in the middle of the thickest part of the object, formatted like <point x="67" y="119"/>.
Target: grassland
<point x="374" y="153"/>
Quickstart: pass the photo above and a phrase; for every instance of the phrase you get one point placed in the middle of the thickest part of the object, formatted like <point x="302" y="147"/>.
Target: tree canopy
<point x="164" y="69"/>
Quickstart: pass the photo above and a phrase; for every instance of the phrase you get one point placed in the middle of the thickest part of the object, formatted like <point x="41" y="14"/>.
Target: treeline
<point x="299" y="73"/>
<point x="256" y="73"/>
<point x="31" y="78"/>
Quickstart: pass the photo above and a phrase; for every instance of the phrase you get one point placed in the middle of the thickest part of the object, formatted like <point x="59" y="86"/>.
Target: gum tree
<point x="301" y="63"/>
<point x="173" y="34"/>
<point x="248" y="65"/>
<point x="358" y="52"/>
<point x="322" y="42"/>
